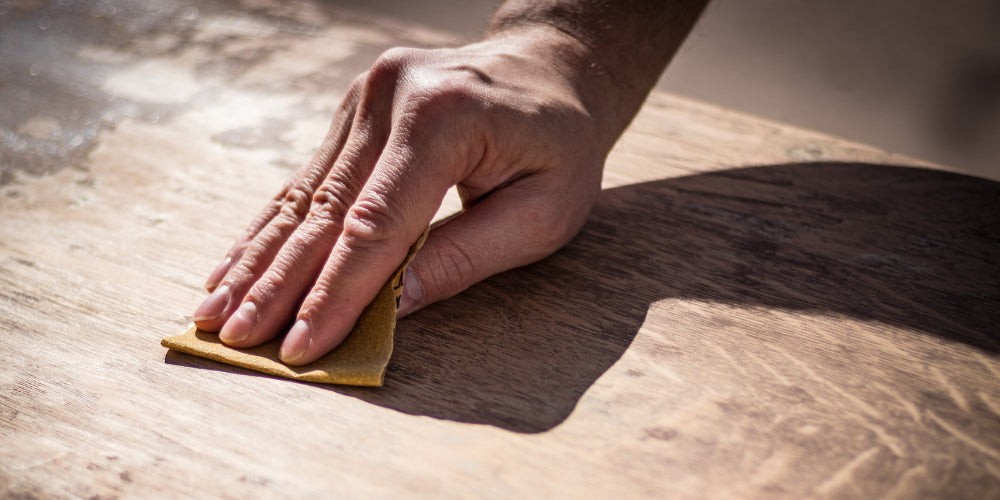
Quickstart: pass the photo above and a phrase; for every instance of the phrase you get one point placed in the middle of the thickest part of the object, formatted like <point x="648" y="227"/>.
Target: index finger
<point x="391" y="211"/>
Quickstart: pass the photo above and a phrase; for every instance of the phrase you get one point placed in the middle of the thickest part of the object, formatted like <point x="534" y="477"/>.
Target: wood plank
<point x="751" y="311"/>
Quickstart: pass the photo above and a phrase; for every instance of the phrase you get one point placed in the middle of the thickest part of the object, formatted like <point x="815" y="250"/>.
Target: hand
<point x="507" y="120"/>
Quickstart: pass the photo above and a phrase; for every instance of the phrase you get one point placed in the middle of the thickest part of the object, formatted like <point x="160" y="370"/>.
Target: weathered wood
<point x="751" y="310"/>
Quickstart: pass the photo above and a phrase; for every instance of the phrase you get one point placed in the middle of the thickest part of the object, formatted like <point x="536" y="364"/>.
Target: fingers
<point x="271" y="291"/>
<point x="512" y="227"/>
<point x="254" y="251"/>
<point x="259" y="223"/>
<point x="253" y="261"/>
<point x="403" y="193"/>
<point x="276" y="293"/>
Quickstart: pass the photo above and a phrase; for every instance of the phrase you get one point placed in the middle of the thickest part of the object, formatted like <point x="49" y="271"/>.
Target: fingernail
<point x="296" y="343"/>
<point x="217" y="275"/>
<point x="413" y="294"/>
<point x="241" y="324"/>
<point x="214" y="305"/>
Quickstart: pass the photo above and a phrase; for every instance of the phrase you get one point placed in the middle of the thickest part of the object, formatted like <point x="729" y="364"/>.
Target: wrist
<point x="609" y="105"/>
<point x="622" y="47"/>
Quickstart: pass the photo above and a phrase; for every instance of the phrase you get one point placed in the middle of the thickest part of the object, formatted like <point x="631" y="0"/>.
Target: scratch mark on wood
<point x="767" y="366"/>
<point x="990" y="403"/>
<point x="987" y="362"/>
<point x="729" y="358"/>
<point x="953" y="392"/>
<point x="905" y="403"/>
<point x="842" y="477"/>
<point x="905" y="487"/>
<point x="886" y="345"/>
<point x="890" y="441"/>
<point x="864" y="407"/>
<point x="42" y="462"/>
<point x="965" y="438"/>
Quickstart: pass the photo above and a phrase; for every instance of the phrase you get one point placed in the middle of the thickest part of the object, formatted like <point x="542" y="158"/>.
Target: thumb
<point x="505" y="230"/>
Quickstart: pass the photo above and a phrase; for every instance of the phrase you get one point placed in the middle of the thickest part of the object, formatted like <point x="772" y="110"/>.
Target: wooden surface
<point x="752" y="311"/>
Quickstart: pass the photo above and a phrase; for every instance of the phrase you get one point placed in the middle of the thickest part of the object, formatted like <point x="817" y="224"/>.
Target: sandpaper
<point x="360" y="360"/>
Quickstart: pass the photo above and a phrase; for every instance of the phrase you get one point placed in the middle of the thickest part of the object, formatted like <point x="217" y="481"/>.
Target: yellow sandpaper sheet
<point x="360" y="360"/>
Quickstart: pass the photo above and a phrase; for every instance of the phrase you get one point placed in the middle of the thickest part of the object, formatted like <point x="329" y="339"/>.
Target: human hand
<point x="509" y="120"/>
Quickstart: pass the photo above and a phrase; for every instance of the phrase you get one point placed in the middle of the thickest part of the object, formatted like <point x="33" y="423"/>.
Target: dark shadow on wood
<point x="904" y="246"/>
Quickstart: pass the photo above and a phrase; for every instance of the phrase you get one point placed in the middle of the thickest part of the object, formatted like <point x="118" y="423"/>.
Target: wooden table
<point x="751" y="311"/>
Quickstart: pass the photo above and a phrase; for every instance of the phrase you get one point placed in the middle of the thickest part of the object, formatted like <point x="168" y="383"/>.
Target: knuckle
<point x="329" y="202"/>
<point x="242" y="273"/>
<point x="393" y="60"/>
<point x="374" y="86"/>
<point x="295" y="203"/>
<point x="287" y="186"/>
<point x="440" y="98"/>
<point x="357" y="85"/>
<point x="353" y="97"/>
<point x="387" y="67"/>
<point x="369" y="223"/>
<point x="266" y="287"/>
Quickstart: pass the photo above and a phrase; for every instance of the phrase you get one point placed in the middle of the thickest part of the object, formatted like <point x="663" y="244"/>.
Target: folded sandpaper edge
<point x="263" y="359"/>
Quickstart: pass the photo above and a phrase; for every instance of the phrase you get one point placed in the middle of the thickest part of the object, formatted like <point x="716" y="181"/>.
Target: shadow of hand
<point x="903" y="246"/>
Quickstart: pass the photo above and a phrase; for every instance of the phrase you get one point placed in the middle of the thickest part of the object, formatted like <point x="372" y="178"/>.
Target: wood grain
<point x="751" y="311"/>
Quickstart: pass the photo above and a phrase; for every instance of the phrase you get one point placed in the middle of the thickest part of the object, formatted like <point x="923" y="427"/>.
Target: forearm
<point x="624" y="45"/>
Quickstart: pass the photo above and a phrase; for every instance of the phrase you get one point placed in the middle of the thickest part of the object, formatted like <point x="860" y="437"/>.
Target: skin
<point x="520" y="122"/>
